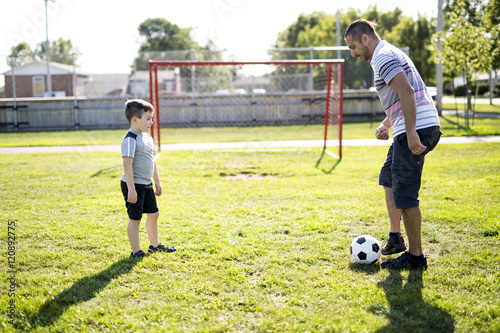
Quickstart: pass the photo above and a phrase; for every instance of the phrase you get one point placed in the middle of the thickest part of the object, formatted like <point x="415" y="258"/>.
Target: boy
<point x="139" y="167"/>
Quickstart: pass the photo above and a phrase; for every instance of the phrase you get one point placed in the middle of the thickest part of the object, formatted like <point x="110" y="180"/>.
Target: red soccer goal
<point x="219" y="93"/>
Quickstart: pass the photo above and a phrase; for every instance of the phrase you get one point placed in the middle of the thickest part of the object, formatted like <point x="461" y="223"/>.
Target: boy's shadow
<point x="81" y="291"/>
<point x="407" y="310"/>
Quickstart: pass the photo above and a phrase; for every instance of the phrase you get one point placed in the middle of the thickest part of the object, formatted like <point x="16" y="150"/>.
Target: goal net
<point x="219" y="93"/>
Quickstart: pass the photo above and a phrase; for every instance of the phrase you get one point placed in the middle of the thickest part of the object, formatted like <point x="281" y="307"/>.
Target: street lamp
<point x="47" y="51"/>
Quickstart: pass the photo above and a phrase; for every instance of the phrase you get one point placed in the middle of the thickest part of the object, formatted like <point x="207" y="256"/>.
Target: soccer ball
<point x="365" y="249"/>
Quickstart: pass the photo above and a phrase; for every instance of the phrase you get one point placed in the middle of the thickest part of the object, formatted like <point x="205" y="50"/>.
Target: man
<point x="415" y="128"/>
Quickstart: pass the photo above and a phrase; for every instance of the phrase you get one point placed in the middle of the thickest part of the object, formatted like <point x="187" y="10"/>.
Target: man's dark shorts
<point x="402" y="171"/>
<point x="146" y="201"/>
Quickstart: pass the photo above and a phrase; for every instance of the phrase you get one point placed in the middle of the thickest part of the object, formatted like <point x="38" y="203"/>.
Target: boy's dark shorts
<point x="402" y="171"/>
<point x="146" y="201"/>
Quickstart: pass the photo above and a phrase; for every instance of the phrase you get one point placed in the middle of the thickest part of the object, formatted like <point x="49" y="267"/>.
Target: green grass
<point x="364" y="130"/>
<point x="235" y="270"/>
<point x="482" y="108"/>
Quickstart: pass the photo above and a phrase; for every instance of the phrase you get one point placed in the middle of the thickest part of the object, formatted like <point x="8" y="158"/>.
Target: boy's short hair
<point x="359" y="28"/>
<point x="136" y="108"/>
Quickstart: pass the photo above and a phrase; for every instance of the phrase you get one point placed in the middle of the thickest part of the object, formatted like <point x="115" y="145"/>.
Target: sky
<point x="105" y="31"/>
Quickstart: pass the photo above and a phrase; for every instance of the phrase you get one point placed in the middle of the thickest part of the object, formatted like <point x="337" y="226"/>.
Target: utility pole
<point x="339" y="53"/>
<point x="439" y="66"/>
<point x="47" y="51"/>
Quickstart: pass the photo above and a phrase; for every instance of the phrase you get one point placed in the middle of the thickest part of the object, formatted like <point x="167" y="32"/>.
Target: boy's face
<point x="143" y="124"/>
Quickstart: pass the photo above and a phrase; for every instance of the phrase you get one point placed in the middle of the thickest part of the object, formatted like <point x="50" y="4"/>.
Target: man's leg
<point x="412" y="219"/>
<point x="394" y="213"/>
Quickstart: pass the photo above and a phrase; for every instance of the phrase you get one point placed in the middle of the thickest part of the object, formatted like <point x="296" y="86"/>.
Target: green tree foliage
<point x="163" y="40"/>
<point x="319" y="29"/>
<point x="492" y="18"/>
<point x="467" y="46"/>
<point x="161" y="35"/>
<point x="416" y="35"/>
<point x="61" y="51"/>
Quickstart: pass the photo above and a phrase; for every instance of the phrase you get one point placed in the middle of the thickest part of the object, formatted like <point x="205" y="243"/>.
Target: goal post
<point x="232" y="93"/>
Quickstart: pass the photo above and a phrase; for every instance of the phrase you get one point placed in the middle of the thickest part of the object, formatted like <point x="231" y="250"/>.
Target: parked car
<point x="433" y="92"/>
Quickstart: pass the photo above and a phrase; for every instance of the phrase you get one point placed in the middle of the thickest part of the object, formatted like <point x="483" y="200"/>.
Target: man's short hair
<point x="136" y="108"/>
<point x="359" y="28"/>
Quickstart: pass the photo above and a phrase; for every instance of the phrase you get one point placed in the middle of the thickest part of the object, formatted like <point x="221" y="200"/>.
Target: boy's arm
<point x="156" y="178"/>
<point x="129" y="178"/>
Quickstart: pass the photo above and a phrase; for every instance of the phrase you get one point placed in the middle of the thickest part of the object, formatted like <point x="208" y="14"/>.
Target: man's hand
<point x="382" y="132"/>
<point x="414" y="143"/>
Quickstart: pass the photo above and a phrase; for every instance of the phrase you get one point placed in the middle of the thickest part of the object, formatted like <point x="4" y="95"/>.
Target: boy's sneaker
<point x="393" y="244"/>
<point x="161" y="248"/>
<point x="406" y="261"/>
<point x="138" y="254"/>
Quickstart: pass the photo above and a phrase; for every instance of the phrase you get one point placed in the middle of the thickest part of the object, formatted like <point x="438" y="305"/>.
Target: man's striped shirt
<point x="387" y="62"/>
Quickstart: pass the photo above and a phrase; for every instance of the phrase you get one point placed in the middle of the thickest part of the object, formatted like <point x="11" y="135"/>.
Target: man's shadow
<point x="408" y="312"/>
<point x="83" y="290"/>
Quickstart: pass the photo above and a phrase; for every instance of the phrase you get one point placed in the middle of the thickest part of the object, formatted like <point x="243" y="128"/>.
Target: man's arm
<point x="406" y="94"/>
<point x="129" y="179"/>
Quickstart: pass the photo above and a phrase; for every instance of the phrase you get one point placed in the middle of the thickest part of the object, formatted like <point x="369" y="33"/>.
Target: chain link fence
<point x="56" y="93"/>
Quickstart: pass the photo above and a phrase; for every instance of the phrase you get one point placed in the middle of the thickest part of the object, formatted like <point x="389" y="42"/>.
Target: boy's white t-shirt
<point x="139" y="146"/>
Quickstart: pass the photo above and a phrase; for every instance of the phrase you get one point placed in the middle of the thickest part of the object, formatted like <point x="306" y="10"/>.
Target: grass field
<point x="477" y="107"/>
<point x="364" y="130"/>
<point x="235" y="270"/>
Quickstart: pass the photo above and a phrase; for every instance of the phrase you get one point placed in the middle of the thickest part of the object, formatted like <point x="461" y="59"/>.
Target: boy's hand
<point x="132" y="196"/>
<point x="158" y="190"/>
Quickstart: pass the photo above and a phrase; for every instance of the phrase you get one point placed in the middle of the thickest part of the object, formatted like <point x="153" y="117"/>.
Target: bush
<point x="483" y="90"/>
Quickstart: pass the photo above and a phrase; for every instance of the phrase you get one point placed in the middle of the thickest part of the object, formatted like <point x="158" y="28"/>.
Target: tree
<point x="61" y="51"/>
<point x="164" y="40"/>
<point x="160" y="35"/>
<point x="492" y="18"/>
<point x="466" y="46"/>
<point x="421" y="32"/>
<point x="319" y="29"/>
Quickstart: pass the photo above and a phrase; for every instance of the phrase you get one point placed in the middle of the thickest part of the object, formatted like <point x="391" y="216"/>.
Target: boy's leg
<point x="152" y="228"/>
<point x="133" y="234"/>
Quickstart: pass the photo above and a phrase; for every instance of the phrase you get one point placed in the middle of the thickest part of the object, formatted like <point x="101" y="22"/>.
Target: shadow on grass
<point x="83" y="290"/>
<point x="336" y="161"/>
<point x="367" y="269"/>
<point x="408" y="312"/>
<point x="107" y="172"/>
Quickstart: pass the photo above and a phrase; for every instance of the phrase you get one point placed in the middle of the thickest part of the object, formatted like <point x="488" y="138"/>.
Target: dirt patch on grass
<point x="247" y="175"/>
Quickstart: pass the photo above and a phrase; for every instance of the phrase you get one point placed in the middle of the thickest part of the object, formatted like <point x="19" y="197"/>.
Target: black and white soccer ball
<point x="365" y="249"/>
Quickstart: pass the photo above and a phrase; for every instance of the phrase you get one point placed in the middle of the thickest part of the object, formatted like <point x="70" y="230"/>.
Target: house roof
<point x="40" y="68"/>
<point x="162" y="75"/>
<point x="103" y="84"/>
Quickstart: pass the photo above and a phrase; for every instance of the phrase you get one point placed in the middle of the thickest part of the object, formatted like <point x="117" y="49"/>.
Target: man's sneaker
<point x="138" y="254"/>
<point x="406" y="261"/>
<point x="161" y="248"/>
<point x="393" y="245"/>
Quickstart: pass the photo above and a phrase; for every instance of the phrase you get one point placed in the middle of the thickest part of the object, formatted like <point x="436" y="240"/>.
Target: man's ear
<point x="364" y="39"/>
